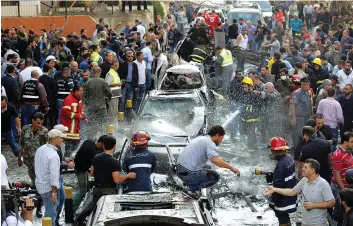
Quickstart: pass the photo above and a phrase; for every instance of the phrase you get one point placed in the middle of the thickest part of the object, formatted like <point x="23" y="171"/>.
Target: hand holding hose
<point x="235" y="170"/>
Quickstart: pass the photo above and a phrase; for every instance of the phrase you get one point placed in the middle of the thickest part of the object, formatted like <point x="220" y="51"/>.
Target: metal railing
<point x="19" y="8"/>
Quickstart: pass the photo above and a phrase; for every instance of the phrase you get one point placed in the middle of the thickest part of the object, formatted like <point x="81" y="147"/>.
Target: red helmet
<point x="296" y="78"/>
<point x="277" y="144"/>
<point x="140" y="138"/>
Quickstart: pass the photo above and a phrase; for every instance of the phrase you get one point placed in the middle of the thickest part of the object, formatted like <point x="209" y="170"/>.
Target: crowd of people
<point x="71" y="88"/>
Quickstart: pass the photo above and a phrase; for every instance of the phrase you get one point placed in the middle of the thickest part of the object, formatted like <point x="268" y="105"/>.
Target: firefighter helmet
<point x="248" y="81"/>
<point x="317" y="61"/>
<point x="277" y="144"/>
<point x="140" y="138"/>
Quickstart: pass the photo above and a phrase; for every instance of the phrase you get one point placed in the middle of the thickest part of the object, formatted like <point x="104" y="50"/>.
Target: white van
<point x="251" y="14"/>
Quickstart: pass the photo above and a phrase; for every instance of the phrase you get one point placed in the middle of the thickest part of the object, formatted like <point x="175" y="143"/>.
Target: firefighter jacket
<point x="142" y="162"/>
<point x="198" y="54"/>
<point x="284" y="177"/>
<point x="65" y="85"/>
<point x="227" y="58"/>
<point x="113" y="78"/>
<point x="70" y="116"/>
<point x="251" y="104"/>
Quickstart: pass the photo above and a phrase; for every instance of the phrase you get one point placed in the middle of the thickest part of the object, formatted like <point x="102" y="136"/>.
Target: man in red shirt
<point x="213" y="21"/>
<point x="342" y="160"/>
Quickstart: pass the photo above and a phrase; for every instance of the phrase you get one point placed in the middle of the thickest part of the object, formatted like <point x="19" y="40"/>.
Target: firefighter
<point x="224" y="65"/>
<point x="114" y="82"/>
<point x="250" y="115"/>
<point x="142" y="162"/>
<point x="70" y="116"/>
<point x="199" y="52"/>
<point x="64" y="86"/>
<point x="283" y="177"/>
<point x="319" y="74"/>
<point x="34" y="98"/>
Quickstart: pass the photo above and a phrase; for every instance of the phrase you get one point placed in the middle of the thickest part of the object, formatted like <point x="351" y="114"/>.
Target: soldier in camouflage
<point x="32" y="137"/>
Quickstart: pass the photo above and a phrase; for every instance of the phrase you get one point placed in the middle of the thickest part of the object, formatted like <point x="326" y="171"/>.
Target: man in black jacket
<point x="233" y="32"/>
<point x="83" y="160"/>
<point x="128" y="73"/>
<point x="9" y="82"/>
<point x="50" y="86"/>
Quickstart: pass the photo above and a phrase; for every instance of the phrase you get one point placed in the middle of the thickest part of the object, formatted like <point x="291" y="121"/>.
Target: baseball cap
<point x="336" y="42"/>
<point x="51" y="57"/>
<point x="56" y="133"/>
<point x="61" y="128"/>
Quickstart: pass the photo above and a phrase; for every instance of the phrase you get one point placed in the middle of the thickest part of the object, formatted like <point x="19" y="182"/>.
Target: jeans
<point x="148" y="79"/>
<point x="181" y="28"/>
<point x="58" y="107"/>
<point x="335" y="191"/>
<point x="27" y="112"/>
<point x="13" y="123"/>
<point x="240" y="64"/>
<point x="334" y="138"/>
<point x="251" y="44"/>
<point x="233" y="42"/>
<point x="197" y="179"/>
<point x="61" y="198"/>
<point x="308" y="21"/>
<point x="258" y="44"/>
<point x="82" y="189"/>
<point x="9" y="137"/>
<point x="126" y="94"/>
<point x="138" y="96"/>
<point x="50" y="207"/>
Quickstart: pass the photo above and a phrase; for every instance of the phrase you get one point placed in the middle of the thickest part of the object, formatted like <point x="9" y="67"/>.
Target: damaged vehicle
<point x="182" y="105"/>
<point x="168" y="204"/>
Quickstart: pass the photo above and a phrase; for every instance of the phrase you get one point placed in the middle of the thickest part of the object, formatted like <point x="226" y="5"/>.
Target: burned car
<point x="168" y="204"/>
<point x="181" y="104"/>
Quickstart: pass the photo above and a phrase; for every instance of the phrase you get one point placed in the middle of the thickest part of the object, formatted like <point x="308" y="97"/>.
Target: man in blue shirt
<point x="296" y="25"/>
<point x="142" y="162"/>
<point x="191" y="164"/>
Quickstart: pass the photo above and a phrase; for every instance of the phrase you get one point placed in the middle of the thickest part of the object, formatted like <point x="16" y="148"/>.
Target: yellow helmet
<point x="248" y="81"/>
<point x="317" y="61"/>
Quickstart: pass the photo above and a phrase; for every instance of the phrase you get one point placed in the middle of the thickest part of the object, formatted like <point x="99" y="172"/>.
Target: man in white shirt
<point x="140" y="91"/>
<point x="148" y="57"/>
<point x="345" y="76"/>
<point x="141" y="28"/>
<point x="4" y="180"/>
<point x="47" y="169"/>
<point x="25" y="75"/>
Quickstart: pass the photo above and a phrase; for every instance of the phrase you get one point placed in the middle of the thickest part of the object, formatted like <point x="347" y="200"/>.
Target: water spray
<point x="230" y="118"/>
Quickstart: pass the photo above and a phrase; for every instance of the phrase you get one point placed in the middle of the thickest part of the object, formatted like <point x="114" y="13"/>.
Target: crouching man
<point x="142" y="162"/>
<point x="316" y="192"/>
<point x="191" y="164"/>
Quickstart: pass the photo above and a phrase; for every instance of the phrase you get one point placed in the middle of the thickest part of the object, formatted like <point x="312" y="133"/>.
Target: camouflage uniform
<point x="29" y="143"/>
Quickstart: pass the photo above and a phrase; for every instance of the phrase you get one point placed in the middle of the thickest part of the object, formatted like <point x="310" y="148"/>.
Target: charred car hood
<point x="145" y="207"/>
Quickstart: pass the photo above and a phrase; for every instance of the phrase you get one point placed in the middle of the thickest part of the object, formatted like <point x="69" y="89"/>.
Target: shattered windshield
<point x="175" y="81"/>
<point x="173" y="110"/>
